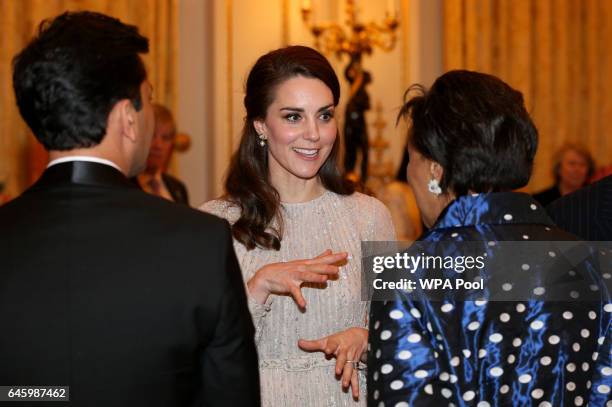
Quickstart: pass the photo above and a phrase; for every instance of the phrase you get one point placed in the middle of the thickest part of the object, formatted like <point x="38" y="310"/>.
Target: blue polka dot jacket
<point x="426" y="352"/>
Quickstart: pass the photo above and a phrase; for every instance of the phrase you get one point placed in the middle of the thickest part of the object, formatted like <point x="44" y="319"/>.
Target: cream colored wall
<point x="194" y="106"/>
<point x="211" y="79"/>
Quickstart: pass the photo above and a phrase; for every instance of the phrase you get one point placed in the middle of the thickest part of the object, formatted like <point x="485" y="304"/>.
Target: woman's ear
<point x="260" y="127"/>
<point x="436" y="170"/>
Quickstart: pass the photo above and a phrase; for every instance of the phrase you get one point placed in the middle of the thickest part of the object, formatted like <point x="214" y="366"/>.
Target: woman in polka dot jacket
<point x="471" y="143"/>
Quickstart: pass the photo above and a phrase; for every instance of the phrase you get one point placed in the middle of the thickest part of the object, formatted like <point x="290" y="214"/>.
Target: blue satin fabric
<point x="471" y="353"/>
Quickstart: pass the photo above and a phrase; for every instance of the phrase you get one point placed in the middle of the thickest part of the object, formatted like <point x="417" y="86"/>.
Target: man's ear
<point x="260" y="127"/>
<point x="126" y="115"/>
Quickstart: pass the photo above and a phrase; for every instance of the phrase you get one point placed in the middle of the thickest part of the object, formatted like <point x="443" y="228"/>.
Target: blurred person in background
<point x="155" y="180"/>
<point x="399" y="198"/>
<point x="573" y="168"/>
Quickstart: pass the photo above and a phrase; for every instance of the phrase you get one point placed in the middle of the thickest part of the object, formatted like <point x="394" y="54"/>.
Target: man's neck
<point x="78" y="154"/>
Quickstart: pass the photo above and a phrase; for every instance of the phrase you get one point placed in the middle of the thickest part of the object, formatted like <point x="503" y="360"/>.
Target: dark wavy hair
<point x="69" y="77"/>
<point x="247" y="184"/>
<point x="477" y="128"/>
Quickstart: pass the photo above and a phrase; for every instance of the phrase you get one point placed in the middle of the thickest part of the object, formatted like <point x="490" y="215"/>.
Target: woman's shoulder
<point x="371" y="216"/>
<point x="363" y="203"/>
<point x="222" y="208"/>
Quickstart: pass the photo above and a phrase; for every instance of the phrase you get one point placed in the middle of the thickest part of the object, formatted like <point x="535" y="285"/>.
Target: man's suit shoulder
<point x="591" y="196"/>
<point x="176" y="188"/>
<point x="171" y="179"/>
<point x="182" y="214"/>
<point x="586" y="212"/>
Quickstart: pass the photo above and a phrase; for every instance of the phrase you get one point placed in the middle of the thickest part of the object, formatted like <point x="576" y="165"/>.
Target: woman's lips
<point x="307" y="153"/>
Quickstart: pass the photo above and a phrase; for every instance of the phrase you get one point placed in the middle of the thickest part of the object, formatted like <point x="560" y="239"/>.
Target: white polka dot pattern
<point x="490" y="353"/>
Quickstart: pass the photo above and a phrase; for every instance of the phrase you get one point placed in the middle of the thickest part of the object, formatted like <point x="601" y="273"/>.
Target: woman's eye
<point x="327" y="116"/>
<point x="293" y="117"/>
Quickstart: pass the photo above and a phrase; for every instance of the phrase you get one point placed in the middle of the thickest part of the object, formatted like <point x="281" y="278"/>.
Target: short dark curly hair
<point x="476" y="127"/>
<point x="69" y="77"/>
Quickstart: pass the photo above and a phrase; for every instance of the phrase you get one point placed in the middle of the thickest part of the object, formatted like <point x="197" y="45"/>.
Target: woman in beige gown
<point x="297" y="230"/>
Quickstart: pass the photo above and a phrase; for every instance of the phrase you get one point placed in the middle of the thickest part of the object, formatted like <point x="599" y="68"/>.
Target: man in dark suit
<point x="91" y="293"/>
<point x="154" y="179"/>
<point x="586" y="213"/>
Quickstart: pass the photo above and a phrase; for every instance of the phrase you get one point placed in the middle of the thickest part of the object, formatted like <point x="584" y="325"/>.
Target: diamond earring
<point x="434" y="187"/>
<point x="262" y="140"/>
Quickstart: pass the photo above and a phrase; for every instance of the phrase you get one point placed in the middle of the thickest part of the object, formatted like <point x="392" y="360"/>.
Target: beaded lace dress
<point x="290" y="376"/>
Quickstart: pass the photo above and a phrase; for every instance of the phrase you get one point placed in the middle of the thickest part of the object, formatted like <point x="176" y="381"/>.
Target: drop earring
<point x="434" y="187"/>
<point x="262" y="140"/>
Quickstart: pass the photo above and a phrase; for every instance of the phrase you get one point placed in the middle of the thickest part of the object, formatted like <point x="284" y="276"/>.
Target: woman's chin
<point x="306" y="172"/>
<point x="306" y="175"/>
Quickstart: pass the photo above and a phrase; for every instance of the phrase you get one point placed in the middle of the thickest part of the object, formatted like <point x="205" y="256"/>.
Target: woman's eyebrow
<point x="299" y="109"/>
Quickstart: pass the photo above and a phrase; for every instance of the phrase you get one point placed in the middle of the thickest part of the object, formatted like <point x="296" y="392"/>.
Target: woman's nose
<point x="312" y="132"/>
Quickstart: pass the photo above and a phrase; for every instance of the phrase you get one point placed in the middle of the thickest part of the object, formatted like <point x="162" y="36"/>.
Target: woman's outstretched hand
<point x="348" y="347"/>
<point x="287" y="278"/>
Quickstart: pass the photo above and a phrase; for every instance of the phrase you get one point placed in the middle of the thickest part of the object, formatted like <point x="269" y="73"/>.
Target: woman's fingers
<point x="296" y="293"/>
<point x="314" y="274"/>
<point x="309" y="277"/>
<point x="355" y="384"/>
<point x="340" y="362"/>
<point x="331" y="258"/>
<point x="346" y="346"/>
<point x="313" y="277"/>
<point x="346" y="358"/>
<point x="315" y="345"/>
<point x="319" y="268"/>
<point x="348" y="368"/>
<point x="287" y="277"/>
<point x="325" y="253"/>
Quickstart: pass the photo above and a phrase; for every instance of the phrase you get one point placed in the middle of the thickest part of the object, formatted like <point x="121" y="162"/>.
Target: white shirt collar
<point x="83" y="158"/>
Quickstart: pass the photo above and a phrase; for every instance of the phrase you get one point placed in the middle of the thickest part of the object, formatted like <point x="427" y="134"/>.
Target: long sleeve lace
<point x="290" y="376"/>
